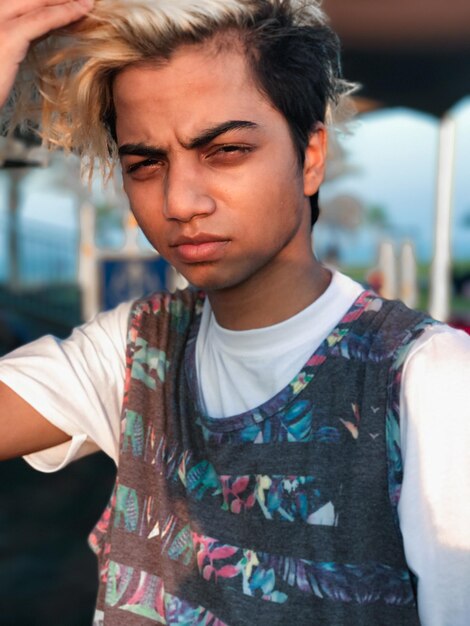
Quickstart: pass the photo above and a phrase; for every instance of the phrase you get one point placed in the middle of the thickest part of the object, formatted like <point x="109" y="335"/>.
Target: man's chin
<point x="210" y="283"/>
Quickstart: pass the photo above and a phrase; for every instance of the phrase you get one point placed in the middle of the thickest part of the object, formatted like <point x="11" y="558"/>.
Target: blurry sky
<point x="394" y="156"/>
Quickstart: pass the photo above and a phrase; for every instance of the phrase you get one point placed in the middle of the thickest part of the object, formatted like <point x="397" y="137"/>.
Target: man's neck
<point x="259" y="302"/>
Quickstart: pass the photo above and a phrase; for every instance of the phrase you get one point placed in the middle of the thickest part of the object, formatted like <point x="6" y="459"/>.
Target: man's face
<point x="210" y="168"/>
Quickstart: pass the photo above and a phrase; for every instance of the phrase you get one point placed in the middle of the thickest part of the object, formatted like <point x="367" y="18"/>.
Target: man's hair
<point x="67" y="86"/>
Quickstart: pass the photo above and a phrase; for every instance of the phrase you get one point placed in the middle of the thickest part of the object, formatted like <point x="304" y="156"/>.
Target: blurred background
<point x="395" y="216"/>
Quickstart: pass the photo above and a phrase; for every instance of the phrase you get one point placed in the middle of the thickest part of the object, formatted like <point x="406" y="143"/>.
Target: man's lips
<point x="200" y="248"/>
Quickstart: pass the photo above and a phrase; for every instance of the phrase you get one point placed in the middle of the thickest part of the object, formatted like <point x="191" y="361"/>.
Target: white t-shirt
<point x="77" y="384"/>
<point x="239" y="370"/>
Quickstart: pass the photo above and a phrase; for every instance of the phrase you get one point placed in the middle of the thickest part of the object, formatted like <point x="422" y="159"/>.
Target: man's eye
<point x="230" y="148"/>
<point x="229" y="151"/>
<point x="141" y="165"/>
<point x="228" y="154"/>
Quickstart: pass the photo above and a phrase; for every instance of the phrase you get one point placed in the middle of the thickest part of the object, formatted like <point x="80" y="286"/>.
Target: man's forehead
<point x="209" y="51"/>
<point x="206" y="64"/>
<point x="185" y="97"/>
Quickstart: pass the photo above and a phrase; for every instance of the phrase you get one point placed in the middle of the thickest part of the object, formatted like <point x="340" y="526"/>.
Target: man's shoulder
<point x="158" y="317"/>
<point x="163" y="302"/>
<point x="441" y="347"/>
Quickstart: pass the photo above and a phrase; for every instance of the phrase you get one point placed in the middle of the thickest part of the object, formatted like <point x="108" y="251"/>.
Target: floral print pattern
<point x="290" y="418"/>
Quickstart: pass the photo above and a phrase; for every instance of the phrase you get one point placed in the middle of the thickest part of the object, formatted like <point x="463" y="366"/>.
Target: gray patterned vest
<point x="283" y="514"/>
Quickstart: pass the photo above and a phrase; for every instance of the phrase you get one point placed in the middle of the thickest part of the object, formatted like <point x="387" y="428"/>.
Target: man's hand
<point x="22" y="21"/>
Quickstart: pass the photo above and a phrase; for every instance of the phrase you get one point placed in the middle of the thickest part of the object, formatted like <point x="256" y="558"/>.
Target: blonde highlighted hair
<point x="65" y="88"/>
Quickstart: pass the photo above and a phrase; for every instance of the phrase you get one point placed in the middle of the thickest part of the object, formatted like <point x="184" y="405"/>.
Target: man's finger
<point x="34" y="25"/>
<point x="18" y="8"/>
<point x="17" y="33"/>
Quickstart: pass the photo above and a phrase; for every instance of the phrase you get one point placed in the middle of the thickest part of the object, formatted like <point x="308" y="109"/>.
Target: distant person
<point x="291" y="449"/>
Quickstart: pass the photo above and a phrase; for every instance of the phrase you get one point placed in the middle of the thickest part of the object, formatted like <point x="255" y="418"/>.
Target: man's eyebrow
<point x="142" y="150"/>
<point x="209" y="134"/>
<point x="205" y="137"/>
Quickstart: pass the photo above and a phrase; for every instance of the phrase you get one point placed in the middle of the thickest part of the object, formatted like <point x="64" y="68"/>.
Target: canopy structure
<point x="413" y="53"/>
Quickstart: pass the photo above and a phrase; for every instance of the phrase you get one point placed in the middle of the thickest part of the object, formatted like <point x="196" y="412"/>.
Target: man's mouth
<point x="200" y="248"/>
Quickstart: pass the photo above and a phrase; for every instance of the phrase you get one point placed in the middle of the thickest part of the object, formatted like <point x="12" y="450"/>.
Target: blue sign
<point x="130" y="278"/>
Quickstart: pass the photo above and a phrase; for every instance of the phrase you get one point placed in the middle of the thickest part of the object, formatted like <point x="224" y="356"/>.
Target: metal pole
<point x="87" y="265"/>
<point x="387" y="265"/>
<point x="408" y="275"/>
<point x="439" y="303"/>
<point x="15" y="177"/>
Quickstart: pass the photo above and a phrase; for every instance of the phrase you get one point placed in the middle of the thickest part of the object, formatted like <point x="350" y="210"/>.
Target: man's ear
<point x="315" y="158"/>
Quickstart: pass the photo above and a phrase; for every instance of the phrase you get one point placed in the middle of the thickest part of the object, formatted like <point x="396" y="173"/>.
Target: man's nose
<point x="186" y="193"/>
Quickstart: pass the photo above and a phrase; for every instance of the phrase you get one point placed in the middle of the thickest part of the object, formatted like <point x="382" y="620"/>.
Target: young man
<point x="261" y="424"/>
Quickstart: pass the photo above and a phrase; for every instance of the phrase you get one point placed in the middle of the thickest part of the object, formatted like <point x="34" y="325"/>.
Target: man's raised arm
<point x="22" y="429"/>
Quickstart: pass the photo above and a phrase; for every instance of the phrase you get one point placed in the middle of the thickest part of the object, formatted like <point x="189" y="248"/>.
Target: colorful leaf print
<point x="127" y="508"/>
<point x="133" y="435"/>
<point x="181" y="613"/>
<point x="238" y="492"/>
<point x="179" y="313"/>
<point x="170" y="515"/>
<point x="143" y="594"/>
<point x="147" y="362"/>
<point x="327" y="434"/>
<point x="119" y="580"/>
<point x="297" y="420"/>
<point x="202" y="477"/>
<point x="182" y="547"/>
